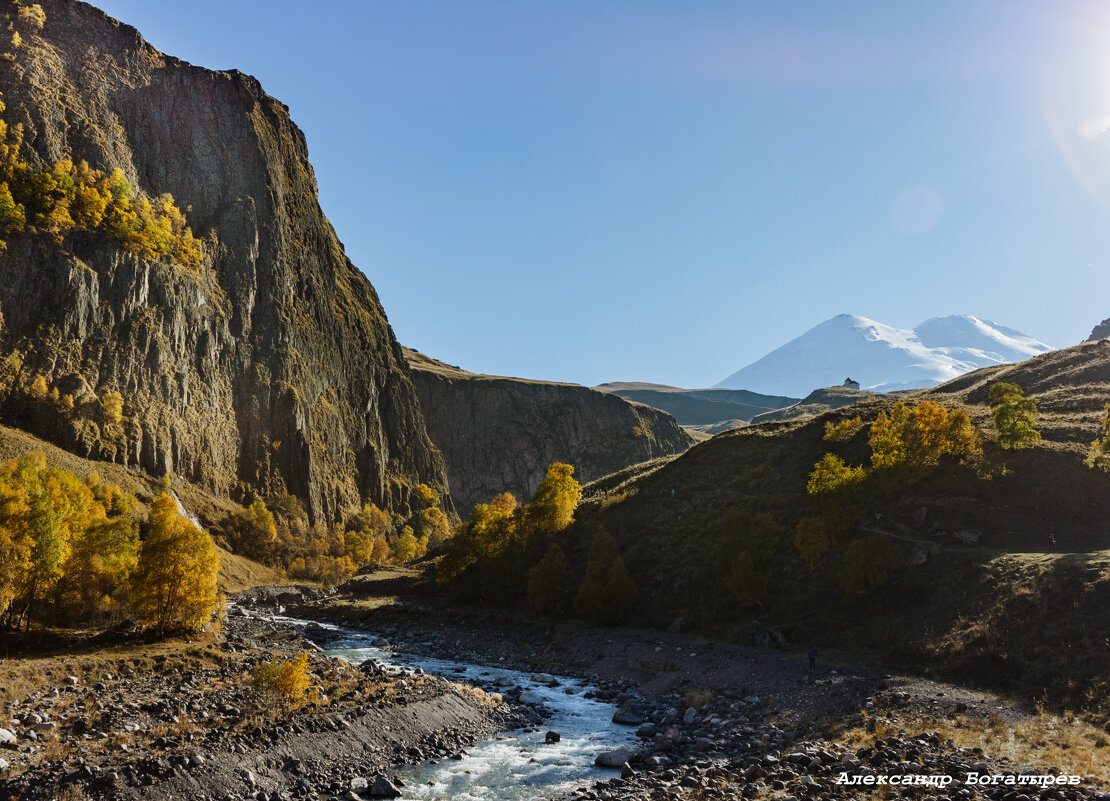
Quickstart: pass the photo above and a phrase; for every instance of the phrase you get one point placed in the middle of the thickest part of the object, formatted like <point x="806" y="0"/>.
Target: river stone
<point x="4" y="764"/>
<point x="531" y="698"/>
<point x="629" y="715"/>
<point x="383" y="788"/>
<point x="690" y="716"/>
<point x="613" y="759"/>
<point x="552" y="737"/>
<point x="7" y="737"/>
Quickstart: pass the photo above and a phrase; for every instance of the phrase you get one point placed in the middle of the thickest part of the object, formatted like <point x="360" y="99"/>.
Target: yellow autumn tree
<point x="405" y="546"/>
<point x="56" y="533"/>
<point x="368" y="535"/>
<point x="39" y="388"/>
<point x="1098" y="455"/>
<point x="174" y="584"/>
<point x="101" y="560"/>
<point x="491" y="528"/>
<point x="552" y="506"/>
<point x="836" y="489"/>
<point x="254" y="532"/>
<point x="1014" y="415"/>
<point x="916" y="438"/>
<point x="112" y="405"/>
<point x="429" y="522"/>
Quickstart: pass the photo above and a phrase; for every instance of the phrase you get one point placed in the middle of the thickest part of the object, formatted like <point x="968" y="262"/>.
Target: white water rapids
<point x="514" y="765"/>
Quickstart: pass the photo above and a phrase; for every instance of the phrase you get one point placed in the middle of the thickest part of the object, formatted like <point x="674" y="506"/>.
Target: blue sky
<point x="665" y="191"/>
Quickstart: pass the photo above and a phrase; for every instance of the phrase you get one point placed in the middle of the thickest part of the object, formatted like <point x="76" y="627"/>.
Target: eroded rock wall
<point x="500" y="434"/>
<point x="272" y="368"/>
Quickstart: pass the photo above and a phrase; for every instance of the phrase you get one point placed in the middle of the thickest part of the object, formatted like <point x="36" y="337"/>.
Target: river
<point x="514" y="765"/>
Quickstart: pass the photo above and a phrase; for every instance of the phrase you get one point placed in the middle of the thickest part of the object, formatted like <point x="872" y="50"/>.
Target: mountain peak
<point x="884" y="358"/>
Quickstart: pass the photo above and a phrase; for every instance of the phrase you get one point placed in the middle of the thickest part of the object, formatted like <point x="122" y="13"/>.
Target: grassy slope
<point x="237" y="573"/>
<point x="999" y="611"/>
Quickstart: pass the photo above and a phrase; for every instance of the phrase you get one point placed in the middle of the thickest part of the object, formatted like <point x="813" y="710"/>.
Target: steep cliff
<point x="270" y="368"/>
<point x="500" y="434"/>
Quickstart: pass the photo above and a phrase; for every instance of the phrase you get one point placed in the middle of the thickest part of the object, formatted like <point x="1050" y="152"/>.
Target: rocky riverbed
<point x="724" y="721"/>
<point x="201" y="732"/>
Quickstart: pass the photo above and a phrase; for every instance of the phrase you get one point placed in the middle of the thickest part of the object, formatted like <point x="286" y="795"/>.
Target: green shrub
<point x="548" y="583"/>
<point x="607" y="593"/>
<point x="1014" y="416"/>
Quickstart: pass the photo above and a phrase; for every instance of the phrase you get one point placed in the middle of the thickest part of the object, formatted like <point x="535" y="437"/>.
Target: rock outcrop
<point x="500" y="434"/>
<point x="1100" y="331"/>
<point x="271" y="368"/>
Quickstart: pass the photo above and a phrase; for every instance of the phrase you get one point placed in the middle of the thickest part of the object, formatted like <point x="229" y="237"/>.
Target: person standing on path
<point x="812" y="659"/>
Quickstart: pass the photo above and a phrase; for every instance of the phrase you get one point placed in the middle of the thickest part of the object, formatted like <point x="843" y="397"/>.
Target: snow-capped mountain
<point x="882" y="358"/>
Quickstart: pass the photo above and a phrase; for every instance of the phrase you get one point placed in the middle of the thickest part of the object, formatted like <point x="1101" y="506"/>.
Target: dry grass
<point x="698" y="698"/>
<point x="1040" y="742"/>
<point x="478" y="695"/>
<point x="239" y="573"/>
<point x="20" y="677"/>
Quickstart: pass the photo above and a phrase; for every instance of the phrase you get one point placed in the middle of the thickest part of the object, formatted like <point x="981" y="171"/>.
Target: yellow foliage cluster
<point x="906" y="445"/>
<point x="174" y="584"/>
<point x="33" y="14"/>
<point x="491" y="529"/>
<point x="506" y="551"/>
<point x="75" y="197"/>
<point x="67" y="547"/>
<point x="112" y="404"/>
<point x="315" y="552"/>
<point x="844" y="430"/>
<point x="918" y="437"/>
<point x="331" y="554"/>
<point x="1098" y="455"/>
<point x="831" y="475"/>
<point x="287" y="680"/>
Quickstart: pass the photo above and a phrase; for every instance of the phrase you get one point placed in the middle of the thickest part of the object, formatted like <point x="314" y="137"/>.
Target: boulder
<point x="613" y="759"/>
<point x="552" y="737"/>
<point x="629" y="714"/>
<point x="383" y="788"/>
<point x="968" y="536"/>
<point x="531" y="698"/>
<point x="7" y="737"/>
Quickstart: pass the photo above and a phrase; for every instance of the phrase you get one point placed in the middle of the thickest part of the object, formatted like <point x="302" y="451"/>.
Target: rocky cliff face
<point x="500" y="434"/>
<point x="272" y="368"/>
<point x="1100" y="331"/>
